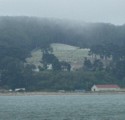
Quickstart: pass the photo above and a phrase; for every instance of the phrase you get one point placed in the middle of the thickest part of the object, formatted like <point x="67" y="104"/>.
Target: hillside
<point x="30" y="33"/>
<point x="23" y="38"/>
<point x="74" y="55"/>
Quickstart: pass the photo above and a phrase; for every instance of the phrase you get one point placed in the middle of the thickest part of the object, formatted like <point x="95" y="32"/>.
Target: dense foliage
<point x="20" y="35"/>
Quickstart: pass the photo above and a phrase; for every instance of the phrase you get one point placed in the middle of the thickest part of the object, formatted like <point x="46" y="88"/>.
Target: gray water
<point x="66" y="107"/>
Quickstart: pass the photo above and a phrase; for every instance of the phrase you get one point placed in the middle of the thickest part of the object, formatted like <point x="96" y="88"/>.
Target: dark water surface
<point x="65" y="107"/>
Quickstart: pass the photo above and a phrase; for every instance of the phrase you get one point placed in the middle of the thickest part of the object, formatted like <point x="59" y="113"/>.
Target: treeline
<point x="20" y="35"/>
<point x="30" y="33"/>
<point x="109" y="58"/>
<point x="15" y="75"/>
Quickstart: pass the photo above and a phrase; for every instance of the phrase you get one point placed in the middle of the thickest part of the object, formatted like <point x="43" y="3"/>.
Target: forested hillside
<point x="20" y="35"/>
<point x="36" y="32"/>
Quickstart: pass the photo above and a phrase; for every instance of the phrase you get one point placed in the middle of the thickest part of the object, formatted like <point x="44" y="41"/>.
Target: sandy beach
<point x="56" y="93"/>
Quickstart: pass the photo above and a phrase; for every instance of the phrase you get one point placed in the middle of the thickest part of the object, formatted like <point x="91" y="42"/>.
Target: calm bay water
<point x="65" y="107"/>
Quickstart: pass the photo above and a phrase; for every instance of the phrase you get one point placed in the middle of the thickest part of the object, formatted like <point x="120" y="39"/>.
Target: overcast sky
<point x="109" y="11"/>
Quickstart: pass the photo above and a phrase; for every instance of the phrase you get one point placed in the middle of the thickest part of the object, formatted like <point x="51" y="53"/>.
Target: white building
<point x="20" y="89"/>
<point x="49" y="67"/>
<point x="36" y="70"/>
<point x="105" y="88"/>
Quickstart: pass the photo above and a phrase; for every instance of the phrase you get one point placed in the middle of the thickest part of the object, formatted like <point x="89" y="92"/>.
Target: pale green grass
<point x="69" y="53"/>
<point x="35" y="58"/>
<point x="64" y="52"/>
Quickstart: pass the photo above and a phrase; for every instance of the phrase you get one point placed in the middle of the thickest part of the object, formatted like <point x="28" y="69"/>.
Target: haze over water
<point x="65" y="107"/>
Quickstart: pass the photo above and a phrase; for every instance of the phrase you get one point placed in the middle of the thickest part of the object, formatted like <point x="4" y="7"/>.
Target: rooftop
<point x="107" y="86"/>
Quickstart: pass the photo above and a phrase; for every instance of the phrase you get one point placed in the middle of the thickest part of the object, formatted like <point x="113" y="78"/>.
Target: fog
<point x="109" y="11"/>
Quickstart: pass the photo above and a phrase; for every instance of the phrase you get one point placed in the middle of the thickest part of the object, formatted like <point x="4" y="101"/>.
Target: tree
<point x="65" y="66"/>
<point x="87" y="65"/>
<point x="51" y="59"/>
<point x="11" y="73"/>
<point x="97" y="65"/>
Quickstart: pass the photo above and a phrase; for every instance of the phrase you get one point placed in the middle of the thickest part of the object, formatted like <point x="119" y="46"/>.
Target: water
<point x="65" y="107"/>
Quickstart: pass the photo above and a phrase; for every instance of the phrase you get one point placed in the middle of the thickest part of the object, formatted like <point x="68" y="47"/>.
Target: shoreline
<point x="57" y="93"/>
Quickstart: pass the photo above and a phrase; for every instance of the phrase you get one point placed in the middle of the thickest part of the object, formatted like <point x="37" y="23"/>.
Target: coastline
<point x="57" y="93"/>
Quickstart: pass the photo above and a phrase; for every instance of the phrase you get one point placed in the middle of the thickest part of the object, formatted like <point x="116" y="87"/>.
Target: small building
<point x="105" y="88"/>
<point x="49" y="67"/>
<point x="76" y="66"/>
<point x="36" y="70"/>
<point x="10" y="90"/>
<point x="20" y="89"/>
<point x="61" y="91"/>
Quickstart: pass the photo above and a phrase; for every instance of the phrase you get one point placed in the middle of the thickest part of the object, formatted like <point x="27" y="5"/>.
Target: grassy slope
<point x="71" y="54"/>
<point x="35" y="58"/>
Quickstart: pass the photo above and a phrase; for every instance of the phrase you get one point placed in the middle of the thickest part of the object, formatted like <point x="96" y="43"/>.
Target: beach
<point x="57" y="93"/>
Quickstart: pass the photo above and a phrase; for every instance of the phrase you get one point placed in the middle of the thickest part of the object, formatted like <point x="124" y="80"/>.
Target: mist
<point x="107" y="11"/>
